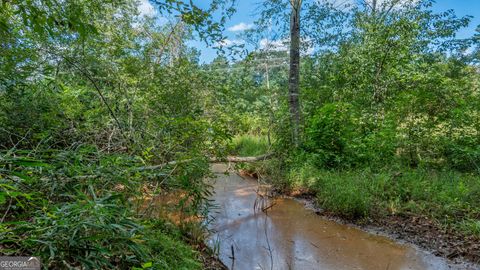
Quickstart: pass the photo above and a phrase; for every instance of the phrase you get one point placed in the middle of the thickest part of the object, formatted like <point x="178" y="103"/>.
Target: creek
<point x="289" y="236"/>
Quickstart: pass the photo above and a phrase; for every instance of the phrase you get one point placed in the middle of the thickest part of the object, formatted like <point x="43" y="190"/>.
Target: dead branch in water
<point x="231" y="159"/>
<point x="264" y="209"/>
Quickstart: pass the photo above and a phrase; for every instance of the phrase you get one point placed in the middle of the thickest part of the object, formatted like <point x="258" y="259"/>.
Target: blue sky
<point x="246" y="9"/>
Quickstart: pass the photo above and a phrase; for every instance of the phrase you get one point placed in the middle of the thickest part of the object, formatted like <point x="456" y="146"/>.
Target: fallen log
<point x="174" y="162"/>
<point x="212" y="160"/>
<point x="159" y="166"/>
<point x="242" y="159"/>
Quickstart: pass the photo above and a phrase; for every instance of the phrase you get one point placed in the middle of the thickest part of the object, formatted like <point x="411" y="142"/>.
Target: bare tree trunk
<point x="294" y="75"/>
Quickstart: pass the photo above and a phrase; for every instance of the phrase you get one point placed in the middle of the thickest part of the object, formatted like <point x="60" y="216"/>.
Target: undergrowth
<point x="83" y="209"/>
<point x="449" y="197"/>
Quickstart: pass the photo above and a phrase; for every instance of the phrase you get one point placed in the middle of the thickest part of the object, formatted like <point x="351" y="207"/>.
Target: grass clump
<point x="249" y="145"/>
<point x="449" y="197"/>
<point x="346" y="194"/>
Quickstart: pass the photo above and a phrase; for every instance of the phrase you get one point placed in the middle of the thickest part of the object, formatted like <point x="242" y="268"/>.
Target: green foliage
<point x="90" y="92"/>
<point x="329" y="132"/>
<point x="339" y="136"/>
<point x="446" y="196"/>
<point x="470" y="227"/>
<point x="396" y="90"/>
<point x="390" y="103"/>
<point x="95" y="234"/>
<point x="80" y="208"/>
<point x="344" y="194"/>
<point x="249" y="145"/>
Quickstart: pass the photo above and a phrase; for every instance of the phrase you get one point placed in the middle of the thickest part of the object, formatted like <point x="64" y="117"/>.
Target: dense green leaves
<point x="407" y="85"/>
<point x="91" y="92"/>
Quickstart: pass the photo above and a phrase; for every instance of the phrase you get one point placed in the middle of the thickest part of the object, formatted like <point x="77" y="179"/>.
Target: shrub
<point x="79" y="211"/>
<point x="328" y="133"/>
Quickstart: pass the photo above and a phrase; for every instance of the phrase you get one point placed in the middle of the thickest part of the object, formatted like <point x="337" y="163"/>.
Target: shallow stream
<point x="289" y="236"/>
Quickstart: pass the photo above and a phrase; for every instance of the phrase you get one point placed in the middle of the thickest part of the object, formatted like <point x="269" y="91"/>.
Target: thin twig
<point x="8" y="209"/>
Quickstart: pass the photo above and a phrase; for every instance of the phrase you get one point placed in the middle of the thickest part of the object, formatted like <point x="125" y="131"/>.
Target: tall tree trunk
<point x="294" y="75"/>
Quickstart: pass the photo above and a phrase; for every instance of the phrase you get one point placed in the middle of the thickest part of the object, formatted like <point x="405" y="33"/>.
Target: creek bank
<point x="419" y="231"/>
<point x="422" y="232"/>
<point x="209" y="260"/>
<point x="286" y="235"/>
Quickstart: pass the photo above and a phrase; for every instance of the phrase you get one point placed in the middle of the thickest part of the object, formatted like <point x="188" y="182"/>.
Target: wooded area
<point x="373" y="111"/>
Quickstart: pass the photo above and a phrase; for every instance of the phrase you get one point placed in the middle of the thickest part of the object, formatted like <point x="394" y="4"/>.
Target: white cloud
<point x="381" y="4"/>
<point x="387" y="3"/>
<point x="228" y="42"/>
<point x="338" y="3"/>
<point x="145" y="8"/>
<point x="274" y="45"/>
<point x="240" y="27"/>
<point x="309" y="50"/>
<point x="307" y="47"/>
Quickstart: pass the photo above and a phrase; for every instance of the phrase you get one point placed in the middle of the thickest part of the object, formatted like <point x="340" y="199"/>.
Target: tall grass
<point x="449" y="197"/>
<point x="249" y="145"/>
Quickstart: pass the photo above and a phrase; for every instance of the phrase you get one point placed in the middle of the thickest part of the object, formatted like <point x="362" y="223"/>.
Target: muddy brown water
<point x="289" y="236"/>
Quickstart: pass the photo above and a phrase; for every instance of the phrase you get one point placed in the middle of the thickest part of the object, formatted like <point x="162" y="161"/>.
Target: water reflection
<point x="292" y="237"/>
